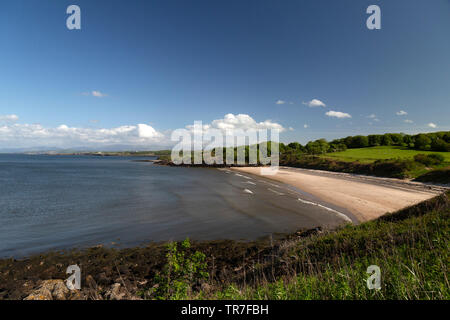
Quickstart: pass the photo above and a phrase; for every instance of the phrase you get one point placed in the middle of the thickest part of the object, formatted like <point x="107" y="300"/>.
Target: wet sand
<point x="366" y="198"/>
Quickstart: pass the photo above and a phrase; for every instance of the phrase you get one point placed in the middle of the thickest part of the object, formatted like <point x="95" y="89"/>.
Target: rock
<point x="116" y="292"/>
<point x="103" y="279"/>
<point x="91" y="282"/>
<point x="60" y="291"/>
<point x="309" y="232"/>
<point x="119" y="292"/>
<point x="93" y="290"/>
<point x="49" y="290"/>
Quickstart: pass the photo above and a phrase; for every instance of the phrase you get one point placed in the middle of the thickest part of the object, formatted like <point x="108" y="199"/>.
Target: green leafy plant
<point x="183" y="271"/>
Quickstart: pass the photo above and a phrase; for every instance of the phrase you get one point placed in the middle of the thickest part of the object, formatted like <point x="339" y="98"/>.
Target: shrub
<point x="392" y="168"/>
<point x="438" y="158"/>
<point x="429" y="160"/>
<point x="182" y="271"/>
<point x="436" y="176"/>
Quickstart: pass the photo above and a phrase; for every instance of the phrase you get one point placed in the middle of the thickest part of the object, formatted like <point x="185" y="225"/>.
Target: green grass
<point x="367" y="155"/>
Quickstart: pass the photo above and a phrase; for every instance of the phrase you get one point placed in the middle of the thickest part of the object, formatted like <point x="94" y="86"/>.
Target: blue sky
<point x="168" y="63"/>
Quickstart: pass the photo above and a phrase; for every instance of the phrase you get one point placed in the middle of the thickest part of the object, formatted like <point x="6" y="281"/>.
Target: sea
<point x="60" y="202"/>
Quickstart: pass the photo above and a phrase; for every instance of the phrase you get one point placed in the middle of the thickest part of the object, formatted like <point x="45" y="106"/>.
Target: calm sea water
<point x="61" y="202"/>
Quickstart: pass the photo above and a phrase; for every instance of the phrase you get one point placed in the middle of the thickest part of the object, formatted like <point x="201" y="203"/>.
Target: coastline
<point x="366" y="199"/>
<point x="129" y="273"/>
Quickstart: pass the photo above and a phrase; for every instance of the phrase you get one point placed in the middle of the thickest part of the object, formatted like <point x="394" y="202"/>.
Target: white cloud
<point x="18" y="135"/>
<point x="280" y="102"/>
<point x="408" y="121"/>
<point x="305" y="126"/>
<point x="291" y="129"/>
<point x="9" y="117"/>
<point x="64" y="136"/>
<point x="233" y="126"/>
<point x="314" y="103"/>
<point x="338" y="114"/>
<point x="95" y="93"/>
<point x="146" y="131"/>
<point x="98" y="94"/>
<point x="240" y="121"/>
<point x="373" y="117"/>
<point x="401" y="113"/>
<point x="432" y="125"/>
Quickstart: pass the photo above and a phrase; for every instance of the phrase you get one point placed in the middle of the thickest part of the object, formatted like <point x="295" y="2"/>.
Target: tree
<point x="386" y="140"/>
<point x="422" y="142"/>
<point x="295" y="146"/>
<point x="440" y="145"/>
<point x="397" y="138"/>
<point x="348" y="141"/>
<point x="317" y="147"/>
<point x="359" y="142"/>
<point x="375" y="140"/>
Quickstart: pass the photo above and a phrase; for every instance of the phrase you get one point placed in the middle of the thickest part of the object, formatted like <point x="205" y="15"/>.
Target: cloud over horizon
<point x="8" y="118"/>
<point x="18" y="135"/>
<point x="63" y="136"/>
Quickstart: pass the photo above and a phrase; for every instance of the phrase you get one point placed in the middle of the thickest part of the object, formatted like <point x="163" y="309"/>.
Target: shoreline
<point x="304" y="197"/>
<point x="129" y="273"/>
<point x="365" y="198"/>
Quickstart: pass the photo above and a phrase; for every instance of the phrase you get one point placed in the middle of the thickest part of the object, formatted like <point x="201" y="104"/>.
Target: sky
<point x="137" y="70"/>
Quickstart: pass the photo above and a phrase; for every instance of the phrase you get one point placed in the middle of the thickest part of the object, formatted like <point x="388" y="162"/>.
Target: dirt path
<point x="365" y="197"/>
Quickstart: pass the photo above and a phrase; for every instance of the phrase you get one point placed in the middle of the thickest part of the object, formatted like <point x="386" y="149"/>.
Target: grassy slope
<point x="410" y="247"/>
<point x="367" y="155"/>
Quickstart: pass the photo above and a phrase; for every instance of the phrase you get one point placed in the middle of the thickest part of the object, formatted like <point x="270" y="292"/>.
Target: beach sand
<point x="366" y="198"/>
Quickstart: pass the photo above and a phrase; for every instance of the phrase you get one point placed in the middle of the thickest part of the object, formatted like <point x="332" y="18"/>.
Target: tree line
<point x="435" y="141"/>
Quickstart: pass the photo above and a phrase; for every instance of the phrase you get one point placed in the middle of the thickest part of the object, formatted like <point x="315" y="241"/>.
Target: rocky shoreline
<point x="116" y="274"/>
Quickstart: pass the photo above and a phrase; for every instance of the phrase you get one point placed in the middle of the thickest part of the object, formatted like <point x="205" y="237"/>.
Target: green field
<point x="367" y="155"/>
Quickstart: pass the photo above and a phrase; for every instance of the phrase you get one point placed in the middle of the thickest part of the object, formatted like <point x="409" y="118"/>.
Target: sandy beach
<point x="366" y="198"/>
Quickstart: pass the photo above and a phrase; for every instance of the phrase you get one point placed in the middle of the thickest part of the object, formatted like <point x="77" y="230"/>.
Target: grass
<point x="371" y="154"/>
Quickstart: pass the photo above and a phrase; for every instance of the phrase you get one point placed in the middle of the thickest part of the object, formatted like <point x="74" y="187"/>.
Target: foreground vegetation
<point x="409" y="246"/>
